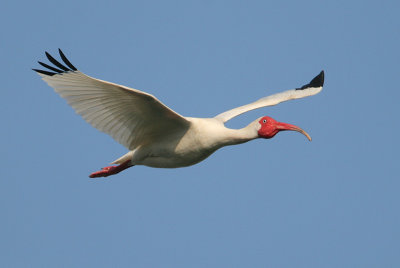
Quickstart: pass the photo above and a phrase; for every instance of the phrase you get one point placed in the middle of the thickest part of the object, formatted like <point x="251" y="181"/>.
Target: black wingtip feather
<point x="56" y="63"/>
<point x="317" y="81"/>
<point x="50" y="67"/>
<point x="66" y="61"/>
<point x="44" y="72"/>
<point x="61" y="68"/>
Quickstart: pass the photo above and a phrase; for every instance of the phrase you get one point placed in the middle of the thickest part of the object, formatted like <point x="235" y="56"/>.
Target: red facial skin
<point x="270" y="127"/>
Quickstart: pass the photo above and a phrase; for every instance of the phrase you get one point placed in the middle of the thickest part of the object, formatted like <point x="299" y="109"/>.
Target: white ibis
<point x="155" y="135"/>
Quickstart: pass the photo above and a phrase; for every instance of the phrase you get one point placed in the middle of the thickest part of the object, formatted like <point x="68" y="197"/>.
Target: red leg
<point x="111" y="170"/>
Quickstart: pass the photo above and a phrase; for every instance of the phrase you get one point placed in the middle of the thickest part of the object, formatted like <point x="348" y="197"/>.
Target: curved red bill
<point x="285" y="126"/>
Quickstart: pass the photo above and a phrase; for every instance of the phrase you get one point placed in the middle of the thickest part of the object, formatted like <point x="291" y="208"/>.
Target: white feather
<point x="130" y="116"/>
<point x="268" y="101"/>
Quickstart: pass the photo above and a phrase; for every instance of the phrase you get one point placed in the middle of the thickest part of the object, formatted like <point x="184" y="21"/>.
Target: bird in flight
<point x="155" y="135"/>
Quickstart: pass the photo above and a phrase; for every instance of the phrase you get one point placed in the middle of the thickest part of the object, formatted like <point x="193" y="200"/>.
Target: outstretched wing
<point x="312" y="88"/>
<point x="130" y="116"/>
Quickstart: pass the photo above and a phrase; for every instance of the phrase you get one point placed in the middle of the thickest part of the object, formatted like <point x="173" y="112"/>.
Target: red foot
<point x="111" y="170"/>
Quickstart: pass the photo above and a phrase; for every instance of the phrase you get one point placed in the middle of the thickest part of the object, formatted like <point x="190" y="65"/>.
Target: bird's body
<point x="155" y="135"/>
<point x="188" y="147"/>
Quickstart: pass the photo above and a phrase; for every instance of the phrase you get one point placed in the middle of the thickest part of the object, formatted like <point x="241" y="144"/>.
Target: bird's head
<point x="270" y="127"/>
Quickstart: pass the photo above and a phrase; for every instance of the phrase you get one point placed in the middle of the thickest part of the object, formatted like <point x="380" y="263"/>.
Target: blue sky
<point x="283" y="202"/>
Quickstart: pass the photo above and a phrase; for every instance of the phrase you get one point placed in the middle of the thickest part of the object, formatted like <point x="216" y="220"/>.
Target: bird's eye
<point x="265" y="121"/>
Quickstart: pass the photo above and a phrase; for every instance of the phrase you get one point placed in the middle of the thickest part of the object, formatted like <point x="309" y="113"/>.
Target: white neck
<point x="237" y="136"/>
<point x="212" y="134"/>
